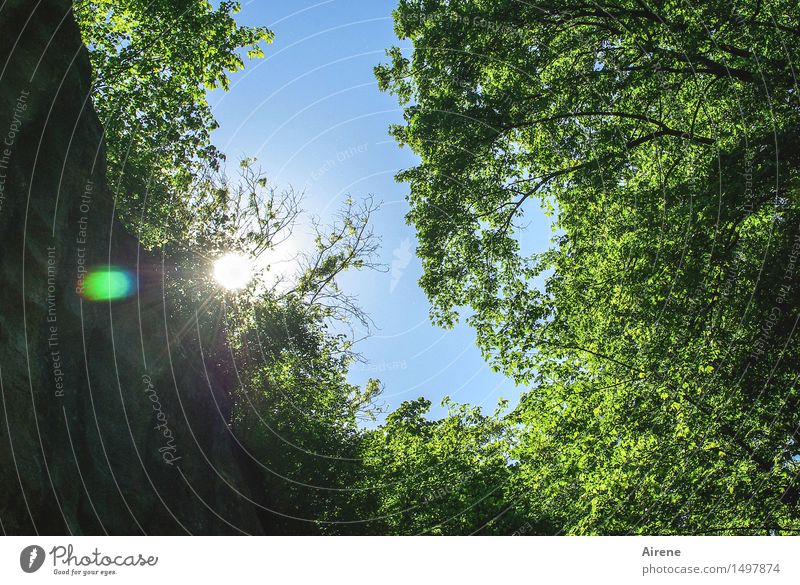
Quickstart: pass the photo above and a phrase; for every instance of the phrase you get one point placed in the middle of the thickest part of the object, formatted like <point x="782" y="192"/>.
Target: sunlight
<point x="279" y="265"/>
<point x="233" y="271"/>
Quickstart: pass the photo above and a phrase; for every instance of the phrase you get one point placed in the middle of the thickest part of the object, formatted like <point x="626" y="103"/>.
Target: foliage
<point x="295" y="412"/>
<point x="153" y="63"/>
<point x="657" y="331"/>
<point x="656" y="334"/>
<point x="447" y="476"/>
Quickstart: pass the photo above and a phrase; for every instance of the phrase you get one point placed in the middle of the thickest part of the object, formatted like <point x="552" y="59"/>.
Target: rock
<point x="111" y="420"/>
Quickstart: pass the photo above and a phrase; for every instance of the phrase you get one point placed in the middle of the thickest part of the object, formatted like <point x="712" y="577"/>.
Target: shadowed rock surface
<point x="83" y="447"/>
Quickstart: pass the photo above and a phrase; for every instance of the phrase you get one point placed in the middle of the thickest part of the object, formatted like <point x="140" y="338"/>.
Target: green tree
<point x="657" y="331"/>
<point x="153" y="63"/>
<point x="285" y="341"/>
<point x="447" y="476"/>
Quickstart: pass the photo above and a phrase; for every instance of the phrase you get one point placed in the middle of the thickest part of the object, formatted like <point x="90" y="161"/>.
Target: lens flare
<point x="107" y="284"/>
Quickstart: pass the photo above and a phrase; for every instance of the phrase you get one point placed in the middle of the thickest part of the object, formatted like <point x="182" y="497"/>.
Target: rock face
<point x="110" y="421"/>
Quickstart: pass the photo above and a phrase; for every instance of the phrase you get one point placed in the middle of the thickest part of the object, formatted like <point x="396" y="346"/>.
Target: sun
<point x="233" y="271"/>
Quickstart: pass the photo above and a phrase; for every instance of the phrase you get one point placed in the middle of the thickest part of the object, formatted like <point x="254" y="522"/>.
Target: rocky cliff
<point x="109" y="423"/>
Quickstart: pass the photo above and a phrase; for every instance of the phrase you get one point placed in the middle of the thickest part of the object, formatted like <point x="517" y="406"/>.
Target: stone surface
<point x="83" y="447"/>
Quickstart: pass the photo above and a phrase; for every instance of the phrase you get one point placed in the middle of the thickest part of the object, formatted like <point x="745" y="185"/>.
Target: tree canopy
<point x="656" y="333"/>
<point x="153" y="63"/>
<point x="654" y="339"/>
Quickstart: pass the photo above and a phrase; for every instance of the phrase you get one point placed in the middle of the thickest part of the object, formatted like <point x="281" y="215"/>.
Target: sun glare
<point x="233" y="271"/>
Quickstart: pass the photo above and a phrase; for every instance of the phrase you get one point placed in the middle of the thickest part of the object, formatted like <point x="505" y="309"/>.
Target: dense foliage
<point x="447" y="476"/>
<point x="295" y="413"/>
<point x="656" y="333"/>
<point x="153" y="63"/>
<point x="655" y="337"/>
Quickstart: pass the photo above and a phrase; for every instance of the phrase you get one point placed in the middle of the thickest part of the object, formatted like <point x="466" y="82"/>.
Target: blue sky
<point x="311" y="112"/>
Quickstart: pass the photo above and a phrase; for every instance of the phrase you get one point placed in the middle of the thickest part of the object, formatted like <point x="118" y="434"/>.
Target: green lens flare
<point x="107" y="284"/>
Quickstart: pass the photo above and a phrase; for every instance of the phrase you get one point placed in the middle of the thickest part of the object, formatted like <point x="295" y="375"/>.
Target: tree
<point x="657" y="331"/>
<point x="153" y="63"/>
<point x="447" y="476"/>
<point x="280" y="346"/>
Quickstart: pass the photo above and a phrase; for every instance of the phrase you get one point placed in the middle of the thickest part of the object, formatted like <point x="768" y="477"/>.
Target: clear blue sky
<point x="312" y="114"/>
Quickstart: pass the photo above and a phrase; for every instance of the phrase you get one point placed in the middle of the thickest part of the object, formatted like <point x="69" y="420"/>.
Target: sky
<point x="312" y="114"/>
